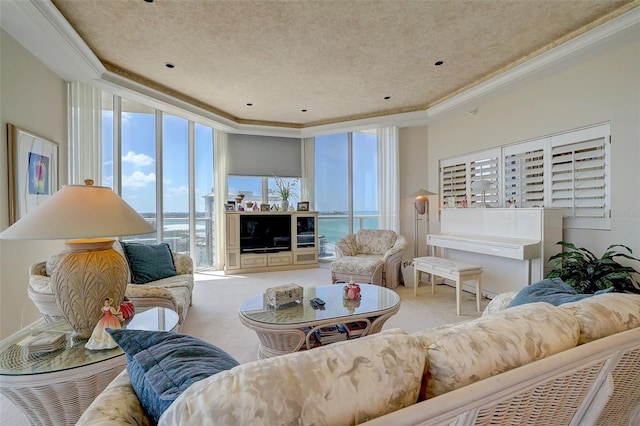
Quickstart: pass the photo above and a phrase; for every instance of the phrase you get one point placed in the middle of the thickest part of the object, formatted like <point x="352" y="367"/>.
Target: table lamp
<point x="421" y="206"/>
<point x="88" y="217"/>
<point x="481" y="186"/>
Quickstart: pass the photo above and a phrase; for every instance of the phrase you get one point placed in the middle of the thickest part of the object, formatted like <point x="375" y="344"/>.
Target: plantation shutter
<point x="579" y="181"/>
<point x="485" y="169"/>
<point x="524" y="166"/>
<point x="457" y="176"/>
<point x="453" y="180"/>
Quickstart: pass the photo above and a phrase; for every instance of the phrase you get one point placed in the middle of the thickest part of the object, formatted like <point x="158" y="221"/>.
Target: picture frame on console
<point x="229" y="207"/>
<point x="303" y="206"/>
<point x="265" y="208"/>
<point x="33" y="171"/>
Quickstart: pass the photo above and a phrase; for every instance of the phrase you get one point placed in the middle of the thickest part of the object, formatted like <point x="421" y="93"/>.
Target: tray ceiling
<point x="308" y="63"/>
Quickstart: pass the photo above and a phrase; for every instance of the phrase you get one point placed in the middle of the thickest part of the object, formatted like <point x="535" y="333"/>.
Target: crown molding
<point x="41" y="29"/>
<point x="627" y="22"/>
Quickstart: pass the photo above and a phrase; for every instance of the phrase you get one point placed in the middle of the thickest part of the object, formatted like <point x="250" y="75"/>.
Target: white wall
<point x="34" y="98"/>
<point x="588" y="89"/>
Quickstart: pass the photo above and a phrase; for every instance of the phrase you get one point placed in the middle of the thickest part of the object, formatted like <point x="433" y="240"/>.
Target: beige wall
<point x="34" y="98"/>
<point x="414" y="176"/>
<point x="600" y="87"/>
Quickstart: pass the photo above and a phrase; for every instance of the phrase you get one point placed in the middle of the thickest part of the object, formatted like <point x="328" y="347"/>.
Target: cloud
<point x="138" y="180"/>
<point x="138" y="159"/>
<point x="178" y="191"/>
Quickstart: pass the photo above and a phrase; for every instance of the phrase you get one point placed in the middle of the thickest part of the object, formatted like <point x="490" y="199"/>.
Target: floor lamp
<point x="420" y="207"/>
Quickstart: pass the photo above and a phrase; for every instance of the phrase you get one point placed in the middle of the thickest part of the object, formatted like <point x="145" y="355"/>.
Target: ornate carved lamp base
<point x="84" y="276"/>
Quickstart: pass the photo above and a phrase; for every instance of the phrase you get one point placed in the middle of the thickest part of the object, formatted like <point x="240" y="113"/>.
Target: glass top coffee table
<point x="292" y="327"/>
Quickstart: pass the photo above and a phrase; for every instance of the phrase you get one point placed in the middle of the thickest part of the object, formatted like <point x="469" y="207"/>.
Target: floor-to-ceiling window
<point x="205" y="225"/>
<point x="175" y="183"/>
<point x="135" y="138"/>
<point x="346" y="186"/>
<point x="138" y="162"/>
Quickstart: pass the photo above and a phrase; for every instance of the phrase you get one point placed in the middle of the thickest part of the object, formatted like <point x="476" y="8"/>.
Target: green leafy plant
<point x="586" y="273"/>
<point x="286" y="188"/>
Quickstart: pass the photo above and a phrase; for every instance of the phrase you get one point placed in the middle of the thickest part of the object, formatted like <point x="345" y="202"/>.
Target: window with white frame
<point x="524" y="173"/>
<point x="579" y="179"/>
<point x="568" y="170"/>
<point x="461" y="178"/>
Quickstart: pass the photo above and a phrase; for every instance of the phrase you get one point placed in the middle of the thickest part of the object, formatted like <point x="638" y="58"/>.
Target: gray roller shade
<point x="251" y="155"/>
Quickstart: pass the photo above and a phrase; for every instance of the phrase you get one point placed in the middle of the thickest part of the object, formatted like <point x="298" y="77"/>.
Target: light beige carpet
<point x="216" y="298"/>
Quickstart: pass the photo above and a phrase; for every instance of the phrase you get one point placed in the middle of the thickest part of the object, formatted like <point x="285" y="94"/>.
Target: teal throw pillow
<point x="148" y="262"/>
<point x="161" y="364"/>
<point x="550" y="290"/>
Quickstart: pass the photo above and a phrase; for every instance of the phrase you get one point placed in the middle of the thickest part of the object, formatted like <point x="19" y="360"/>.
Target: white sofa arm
<point x="118" y="404"/>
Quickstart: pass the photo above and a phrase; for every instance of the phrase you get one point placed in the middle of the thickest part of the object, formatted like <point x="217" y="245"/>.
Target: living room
<point x="589" y="85"/>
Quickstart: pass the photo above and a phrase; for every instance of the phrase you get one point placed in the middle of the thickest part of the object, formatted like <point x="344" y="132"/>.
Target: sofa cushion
<point x="161" y="364"/>
<point x="375" y="241"/>
<point x="148" y="262"/>
<point x="357" y="265"/>
<point x="464" y="353"/>
<point x="499" y="303"/>
<point x="550" y="290"/>
<point x="342" y="383"/>
<point x="605" y="314"/>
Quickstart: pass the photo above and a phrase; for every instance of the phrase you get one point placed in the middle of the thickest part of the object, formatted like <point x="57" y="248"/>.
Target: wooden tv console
<point x="304" y="245"/>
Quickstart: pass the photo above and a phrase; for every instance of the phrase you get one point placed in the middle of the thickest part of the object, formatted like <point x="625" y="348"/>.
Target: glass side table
<point x="54" y="388"/>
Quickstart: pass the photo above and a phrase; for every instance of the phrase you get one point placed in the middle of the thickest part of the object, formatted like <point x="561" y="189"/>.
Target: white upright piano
<point x="513" y="245"/>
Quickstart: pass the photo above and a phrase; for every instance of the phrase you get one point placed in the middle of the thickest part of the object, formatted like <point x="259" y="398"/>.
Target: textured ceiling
<point x="337" y="60"/>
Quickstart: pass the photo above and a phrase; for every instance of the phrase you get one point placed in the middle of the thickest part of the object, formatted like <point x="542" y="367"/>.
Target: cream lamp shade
<point x="90" y="271"/>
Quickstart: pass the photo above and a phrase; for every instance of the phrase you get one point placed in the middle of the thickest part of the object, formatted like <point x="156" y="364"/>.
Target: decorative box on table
<point x="281" y="295"/>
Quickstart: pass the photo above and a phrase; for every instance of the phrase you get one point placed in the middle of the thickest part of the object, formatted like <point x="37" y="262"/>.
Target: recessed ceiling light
<point x="169" y="65"/>
<point x="148" y="1"/>
<point x="303" y="110"/>
<point x="249" y="104"/>
<point x="438" y="63"/>
<point x="386" y="98"/>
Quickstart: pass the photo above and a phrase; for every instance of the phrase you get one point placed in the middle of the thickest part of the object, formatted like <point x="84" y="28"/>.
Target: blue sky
<point x="139" y="166"/>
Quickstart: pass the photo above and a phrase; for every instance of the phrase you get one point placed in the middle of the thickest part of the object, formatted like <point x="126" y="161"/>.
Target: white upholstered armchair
<point x="370" y="256"/>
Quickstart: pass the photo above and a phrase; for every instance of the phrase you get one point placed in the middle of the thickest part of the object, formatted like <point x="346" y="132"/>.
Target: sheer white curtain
<point x="220" y="151"/>
<point x="85" y="133"/>
<point x="307" y="182"/>
<point x="388" y="178"/>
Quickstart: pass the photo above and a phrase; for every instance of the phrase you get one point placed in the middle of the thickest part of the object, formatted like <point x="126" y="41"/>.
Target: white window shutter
<point x="579" y="179"/>
<point x="453" y="180"/>
<point x="486" y="168"/>
<point x="524" y="167"/>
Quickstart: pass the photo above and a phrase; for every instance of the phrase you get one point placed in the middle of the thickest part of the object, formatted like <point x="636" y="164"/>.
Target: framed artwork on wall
<point x="33" y="171"/>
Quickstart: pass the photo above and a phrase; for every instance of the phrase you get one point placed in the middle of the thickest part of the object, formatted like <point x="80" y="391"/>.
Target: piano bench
<point x="449" y="269"/>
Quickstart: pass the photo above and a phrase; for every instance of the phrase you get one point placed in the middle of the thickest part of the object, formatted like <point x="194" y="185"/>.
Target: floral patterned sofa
<point x="174" y="292"/>
<point x="577" y="363"/>
<point x="370" y="256"/>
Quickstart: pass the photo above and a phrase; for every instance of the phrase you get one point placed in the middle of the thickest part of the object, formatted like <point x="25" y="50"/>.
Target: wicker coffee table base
<point x="277" y="339"/>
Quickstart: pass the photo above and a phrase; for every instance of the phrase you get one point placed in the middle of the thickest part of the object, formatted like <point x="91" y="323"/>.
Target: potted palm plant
<point x="587" y="273"/>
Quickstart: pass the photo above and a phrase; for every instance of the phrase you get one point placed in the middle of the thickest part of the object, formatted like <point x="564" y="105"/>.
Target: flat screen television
<point x="266" y="233"/>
